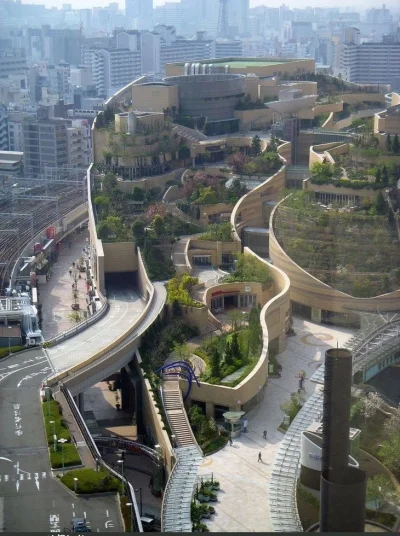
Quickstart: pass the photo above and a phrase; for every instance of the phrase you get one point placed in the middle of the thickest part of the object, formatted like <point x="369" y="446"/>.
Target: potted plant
<point x="204" y="495"/>
<point x="211" y="509"/>
<point x="213" y="497"/>
<point x="215" y="485"/>
<point x="204" y="511"/>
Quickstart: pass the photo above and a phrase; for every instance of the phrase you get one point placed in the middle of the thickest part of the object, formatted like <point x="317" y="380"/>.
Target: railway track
<point x="16" y="231"/>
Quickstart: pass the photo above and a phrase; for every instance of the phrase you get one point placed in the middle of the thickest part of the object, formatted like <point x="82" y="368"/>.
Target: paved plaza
<point x="243" y="500"/>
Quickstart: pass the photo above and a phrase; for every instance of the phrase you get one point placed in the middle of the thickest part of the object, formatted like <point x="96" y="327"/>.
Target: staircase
<point x="176" y="414"/>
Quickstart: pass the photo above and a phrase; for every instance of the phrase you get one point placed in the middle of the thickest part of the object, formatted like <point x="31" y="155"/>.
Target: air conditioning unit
<point x="31" y="342"/>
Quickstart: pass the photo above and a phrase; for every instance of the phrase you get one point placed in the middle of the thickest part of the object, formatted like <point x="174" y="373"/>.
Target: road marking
<point x="84" y="515"/>
<point x="17" y="485"/>
<point x="107" y="514"/>
<point x="43" y="475"/>
<point x="54" y="523"/>
<point x="109" y="524"/>
<point x="54" y="503"/>
<point x="37" y="481"/>
<point x="6" y="459"/>
<point x="5" y="478"/>
<point x="73" y="514"/>
<point x="73" y="506"/>
<point x="2" y="376"/>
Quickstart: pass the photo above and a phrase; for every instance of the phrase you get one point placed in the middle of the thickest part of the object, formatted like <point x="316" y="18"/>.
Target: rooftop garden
<point x="178" y="290"/>
<point x="230" y="358"/>
<point x="355" y="251"/>
<point x="250" y="269"/>
<point x="218" y="232"/>
<point x="327" y="85"/>
<point x="246" y="103"/>
<point x="201" y="188"/>
<point x="265" y="163"/>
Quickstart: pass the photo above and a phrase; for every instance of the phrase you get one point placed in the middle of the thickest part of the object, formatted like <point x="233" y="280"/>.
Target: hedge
<point x="4" y="352"/>
<point x="71" y="456"/>
<point x="91" y="481"/>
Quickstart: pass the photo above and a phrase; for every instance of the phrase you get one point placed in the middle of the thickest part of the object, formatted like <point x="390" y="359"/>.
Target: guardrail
<point x="81" y="326"/>
<point x="136" y="521"/>
<point x="105" y="352"/>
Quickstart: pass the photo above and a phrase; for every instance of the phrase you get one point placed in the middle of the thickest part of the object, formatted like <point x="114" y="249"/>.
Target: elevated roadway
<point x="117" y="345"/>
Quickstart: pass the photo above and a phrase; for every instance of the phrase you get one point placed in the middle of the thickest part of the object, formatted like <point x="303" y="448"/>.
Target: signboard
<point x="37" y="248"/>
<point x="247" y="289"/>
<point x="51" y="232"/>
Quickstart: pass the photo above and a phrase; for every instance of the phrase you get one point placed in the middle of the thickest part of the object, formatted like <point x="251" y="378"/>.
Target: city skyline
<point x="342" y="4"/>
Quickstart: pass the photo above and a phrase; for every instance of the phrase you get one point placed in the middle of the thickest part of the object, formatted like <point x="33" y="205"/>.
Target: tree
<point x="138" y="194"/>
<point x="238" y="161"/>
<point x="256" y="145"/>
<point x="109" y="182"/>
<point x="389" y="452"/>
<point x="215" y="363"/>
<point x="385" y="176"/>
<point x="228" y="354"/>
<point x="292" y="407"/>
<point x="182" y="352"/>
<point x="378" y="176"/>
<point x="235" y="348"/>
<point x="389" y="143"/>
<point x="159" y="226"/>
<point x="396" y="144"/>
<point x="379" y="490"/>
<point x="138" y="232"/>
<point x="176" y="309"/>
<point x="235" y="318"/>
<point x="381" y="206"/>
<point x="392" y="425"/>
<point x="370" y="405"/>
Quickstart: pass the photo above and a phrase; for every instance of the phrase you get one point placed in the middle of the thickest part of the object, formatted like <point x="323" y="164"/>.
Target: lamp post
<point x="140" y="500"/>
<point x="75" y="484"/>
<point x="9" y="342"/>
<point x="54" y="435"/>
<point x="62" y="441"/>
<point x="121" y="462"/>
<point x="131" y="505"/>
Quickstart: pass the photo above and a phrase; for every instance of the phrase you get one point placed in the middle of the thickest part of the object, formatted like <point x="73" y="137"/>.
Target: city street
<point x="31" y="500"/>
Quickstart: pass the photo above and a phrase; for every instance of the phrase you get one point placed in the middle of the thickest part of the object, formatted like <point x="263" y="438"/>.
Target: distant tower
<point x="222" y="30"/>
<point x="342" y="486"/>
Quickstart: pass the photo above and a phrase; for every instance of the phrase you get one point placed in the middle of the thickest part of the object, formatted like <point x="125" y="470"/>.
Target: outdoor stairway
<point x="176" y="413"/>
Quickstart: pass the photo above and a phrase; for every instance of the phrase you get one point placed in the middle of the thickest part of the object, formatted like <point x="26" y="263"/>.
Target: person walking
<point x="230" y="441"/>
<point x="259" y="457"/>
<point x="265" y="434"/>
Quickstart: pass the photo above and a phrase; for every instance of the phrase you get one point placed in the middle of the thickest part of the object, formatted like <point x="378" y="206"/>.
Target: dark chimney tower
<point x="343" y="487"/>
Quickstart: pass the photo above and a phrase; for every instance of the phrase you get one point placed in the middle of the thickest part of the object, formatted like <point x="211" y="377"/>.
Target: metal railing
<point x="81" y="326"/>
<point x="136" y="521"/>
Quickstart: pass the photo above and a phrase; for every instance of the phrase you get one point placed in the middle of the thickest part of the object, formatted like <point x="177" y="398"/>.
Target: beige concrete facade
<point x="386" y="123"/>
<point x="262" y="293"/>
<point x="158" y="181"/>
<point x="120" y="257"/>
<point x="307" y="290"/>
<point x="154" y="97"/>
<point x="274" y="316"/>
<point x="209" y="247"/>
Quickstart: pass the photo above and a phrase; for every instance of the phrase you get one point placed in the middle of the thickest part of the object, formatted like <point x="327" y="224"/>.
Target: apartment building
<point x="373" y="63"/>
<point x="113" y="69"/>
<point x="78" y="143"/>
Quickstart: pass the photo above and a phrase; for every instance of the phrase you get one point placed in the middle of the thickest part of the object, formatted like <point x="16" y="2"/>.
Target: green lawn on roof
<point x="241" y="64"/>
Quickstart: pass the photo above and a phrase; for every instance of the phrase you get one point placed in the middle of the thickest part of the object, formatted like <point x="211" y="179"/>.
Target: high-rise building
<point x="78" y="144"/>
<point x="301" y="31"/>
<point x="113" y="69"/>
<point x="3" y="128"/>
<point x="141" y="11"/>
<point x="369" y="63"/>
<point x="238" y="17"/>
<point x="12" y="61"/>
<point x="45" y="143"/>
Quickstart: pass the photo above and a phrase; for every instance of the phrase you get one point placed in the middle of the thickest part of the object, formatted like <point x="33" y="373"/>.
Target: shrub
<point x="4" y="352"/>
<point x="71" y="456"/>
<point x="91" y="481"/>
<point x="251" y="269"/>
<point x="178" y="289"/>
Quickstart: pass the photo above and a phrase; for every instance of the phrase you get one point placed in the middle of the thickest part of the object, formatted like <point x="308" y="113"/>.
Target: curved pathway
<point x="125" y="307"/>
<point x="243" y="505"/>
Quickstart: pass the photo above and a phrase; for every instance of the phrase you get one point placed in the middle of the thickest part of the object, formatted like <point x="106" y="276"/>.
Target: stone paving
<point x="56" y="294"/>
<point x="243" y="500"/>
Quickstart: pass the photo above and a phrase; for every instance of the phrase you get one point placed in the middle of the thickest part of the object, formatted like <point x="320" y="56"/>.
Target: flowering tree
<point x="157" y="209"/>
<point x="238" y="161"/>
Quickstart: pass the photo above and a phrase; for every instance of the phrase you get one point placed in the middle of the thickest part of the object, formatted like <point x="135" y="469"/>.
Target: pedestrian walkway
<point x="83" y="449"/>
<point x="243" y="504"/>
<point x="56" y="294"/>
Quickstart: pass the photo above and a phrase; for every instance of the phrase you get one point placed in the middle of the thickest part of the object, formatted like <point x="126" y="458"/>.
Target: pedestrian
<point x="259" y="457"/>
<point x="70" y="272"/>
<point x="265" y="434"/>
<point x="230" y="441"/>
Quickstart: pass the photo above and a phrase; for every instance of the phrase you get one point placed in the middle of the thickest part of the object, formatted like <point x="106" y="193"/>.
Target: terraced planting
<point x="353" y="251"/>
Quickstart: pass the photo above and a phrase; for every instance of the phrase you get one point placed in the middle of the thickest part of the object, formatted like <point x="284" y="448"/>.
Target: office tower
<point x="343" y="487"/>
<point x="45" y="143"/>
<point x="112" y="69"/>
<point x="301" y="31"/>
<point x="3" y="129"/>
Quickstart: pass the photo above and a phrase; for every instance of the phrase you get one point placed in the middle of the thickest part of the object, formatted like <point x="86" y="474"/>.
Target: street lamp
<point x="140" y="500"/>
<point x="131" y="505"/>
<point x="9" y="342"/>
<point x="62" y="441"/>
<point x="122" y="466"/>
<point x="54" y="435"/>
<point x="75" y="484"/>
